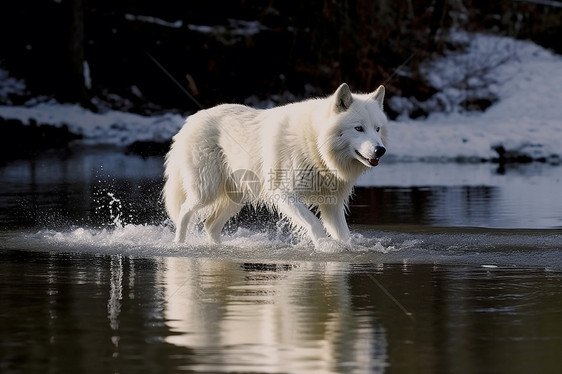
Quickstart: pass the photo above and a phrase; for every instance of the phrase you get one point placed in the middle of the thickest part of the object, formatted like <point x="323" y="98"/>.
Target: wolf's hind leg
<point x="187" y="211"/>
<point x="220" y="215"/>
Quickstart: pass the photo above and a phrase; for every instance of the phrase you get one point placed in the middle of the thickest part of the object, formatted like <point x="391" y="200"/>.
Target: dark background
<point x="302" y="49"/>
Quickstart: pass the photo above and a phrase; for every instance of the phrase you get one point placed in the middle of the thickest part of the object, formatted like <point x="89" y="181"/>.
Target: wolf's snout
<point x="379" y="151"/>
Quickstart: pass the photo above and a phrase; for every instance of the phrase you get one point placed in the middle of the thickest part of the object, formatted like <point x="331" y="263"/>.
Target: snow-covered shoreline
<point x="108" y="128"/>
<point x="527" y="118"/>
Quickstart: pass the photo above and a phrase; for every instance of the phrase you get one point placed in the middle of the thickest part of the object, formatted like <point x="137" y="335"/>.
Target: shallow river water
<point x="452" y="268"/>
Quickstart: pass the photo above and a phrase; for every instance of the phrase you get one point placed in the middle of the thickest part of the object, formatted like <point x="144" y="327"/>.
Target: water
<point x="452" y="268"/>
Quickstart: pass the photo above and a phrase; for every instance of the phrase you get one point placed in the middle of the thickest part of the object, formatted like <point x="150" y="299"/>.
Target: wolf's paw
<point x="178" y="239"/>
<point x="330" y="245"/>
<point x="214" y="239"/>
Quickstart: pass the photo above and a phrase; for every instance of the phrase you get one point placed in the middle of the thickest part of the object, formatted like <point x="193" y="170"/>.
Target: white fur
<point x="290" y="158"/>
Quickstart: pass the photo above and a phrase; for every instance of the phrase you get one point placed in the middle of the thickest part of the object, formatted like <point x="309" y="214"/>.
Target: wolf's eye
<point x="359" y="128"/>
<point x="378" y="129"/>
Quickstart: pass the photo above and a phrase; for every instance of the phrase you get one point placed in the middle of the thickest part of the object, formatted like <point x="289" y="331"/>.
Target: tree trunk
<point x="73" y="87"/>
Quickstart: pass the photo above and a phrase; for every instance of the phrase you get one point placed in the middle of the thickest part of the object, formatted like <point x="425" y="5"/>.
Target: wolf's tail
<point x="173" y="193"/>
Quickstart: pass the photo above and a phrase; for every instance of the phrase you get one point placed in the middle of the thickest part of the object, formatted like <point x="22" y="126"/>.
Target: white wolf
<point x="290" y="159"/>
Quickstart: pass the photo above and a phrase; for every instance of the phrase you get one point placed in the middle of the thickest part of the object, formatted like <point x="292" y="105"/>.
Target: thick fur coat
<point x="290" y="159"/>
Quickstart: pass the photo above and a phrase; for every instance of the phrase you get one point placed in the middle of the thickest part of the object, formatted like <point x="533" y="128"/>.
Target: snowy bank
<point x="109" y="128"/>
<point x="526" y="119"/>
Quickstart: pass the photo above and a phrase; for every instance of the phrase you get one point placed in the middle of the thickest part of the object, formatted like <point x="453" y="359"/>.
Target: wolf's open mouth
<point x="368" y="161"/>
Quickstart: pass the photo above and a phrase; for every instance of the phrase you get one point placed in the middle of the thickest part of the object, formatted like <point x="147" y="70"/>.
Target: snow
<point x="525" y="77"/>
<point x="157" y="21"/>
<point x="235" y="27"/>
<point x="9" y="86"/>
<point x="87" y="77"/>
<point x="527" y="118"/>
<point x="109" y="128"/>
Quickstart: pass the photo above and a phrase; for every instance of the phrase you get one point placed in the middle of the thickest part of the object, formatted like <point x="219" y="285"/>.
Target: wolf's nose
<point x="379" y="151"/>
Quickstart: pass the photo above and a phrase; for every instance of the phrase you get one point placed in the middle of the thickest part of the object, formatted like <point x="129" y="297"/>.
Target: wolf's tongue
<point x="374" y="161"/>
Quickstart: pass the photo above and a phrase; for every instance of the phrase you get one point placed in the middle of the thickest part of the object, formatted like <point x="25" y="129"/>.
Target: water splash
<point x="252" y="245"/>
<point x="115" y="208"/>
<point x="114" y="232"/>
<point x="244" y="243"/>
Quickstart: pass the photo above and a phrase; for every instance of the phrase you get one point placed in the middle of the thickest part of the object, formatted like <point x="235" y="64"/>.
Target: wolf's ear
<point x="342" y="98"/>
<point x="378" y="95"/>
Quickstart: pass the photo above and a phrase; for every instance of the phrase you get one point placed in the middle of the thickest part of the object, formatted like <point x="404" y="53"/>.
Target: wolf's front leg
<point x="333" y="217"/>
<point x="291" y="207"/>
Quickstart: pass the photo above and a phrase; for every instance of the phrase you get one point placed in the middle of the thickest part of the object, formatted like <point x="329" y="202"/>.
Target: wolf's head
<point x="356" y="136"/>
